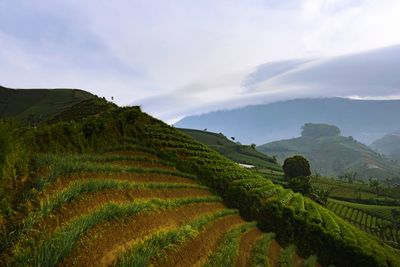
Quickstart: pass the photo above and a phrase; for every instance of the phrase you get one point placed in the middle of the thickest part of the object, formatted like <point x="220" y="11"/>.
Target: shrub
<point x="296" y="166"/>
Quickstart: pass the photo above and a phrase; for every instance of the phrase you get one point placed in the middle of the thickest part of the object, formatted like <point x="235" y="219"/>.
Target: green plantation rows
<point x="59" y="244"/>
<point x="51" y="248"/>
<point x="155" y="246"/>
<point x="293" y="218"/>
<point x="366" y="220"/>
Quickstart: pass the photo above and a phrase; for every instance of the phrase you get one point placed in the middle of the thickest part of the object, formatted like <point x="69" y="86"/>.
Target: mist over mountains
<point x="365" y="120"/>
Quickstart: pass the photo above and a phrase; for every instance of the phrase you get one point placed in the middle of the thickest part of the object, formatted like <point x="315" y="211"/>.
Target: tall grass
<point x="50" y="251"/>
<point x="286" y="258"/>
<point x="228" y="249"/>
<point x="259" y="256"/>
<point x="156" y="245"/>
<point x="310" y="261"/>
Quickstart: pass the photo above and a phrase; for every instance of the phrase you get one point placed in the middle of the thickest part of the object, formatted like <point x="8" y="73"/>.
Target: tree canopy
<point x="319" y="130"/>
<point x="296" y="166"/>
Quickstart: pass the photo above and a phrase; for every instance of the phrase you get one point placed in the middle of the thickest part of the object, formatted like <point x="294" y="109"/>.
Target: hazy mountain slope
<point x="38" y="104"/>
<point x="333" y="155"/>
<point x="236" y="152"/>
<point x="365" y="120"/>
<point x="388" y="145"/>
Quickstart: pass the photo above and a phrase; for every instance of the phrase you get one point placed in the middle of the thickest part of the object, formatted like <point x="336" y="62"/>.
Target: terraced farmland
<point x="123" y="188"/>
<point x="376" y="220"/>
<point x="95" y="212"/>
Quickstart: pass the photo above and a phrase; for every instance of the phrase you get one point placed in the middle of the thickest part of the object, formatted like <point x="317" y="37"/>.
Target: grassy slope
<point x="236" y="152"/>
<point x="38" y="104"/>
<point x="333" y="156"/>
<point x="293" y="218"/>
<point x="356" y="192"/>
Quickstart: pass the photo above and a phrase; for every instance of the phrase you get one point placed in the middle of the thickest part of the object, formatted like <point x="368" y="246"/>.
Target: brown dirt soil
<point x="297" y="261"/>
<point x="95" y="200"/>
<point x="195" y="252"/>
<point x="274" y="252"/>
<point x="63" y="181"/>
<point x="101" y="245"/>
<point x="247" y="243"/>
<point x="141" y="164"/>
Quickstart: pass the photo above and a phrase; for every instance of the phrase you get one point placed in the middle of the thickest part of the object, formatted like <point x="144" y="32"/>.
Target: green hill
<point x="235" y="151"/>
<point x="389" y="145"/>
<point x="332" y="154"/>
<point x="121" y="188"/>
<point x="37" y="105"/>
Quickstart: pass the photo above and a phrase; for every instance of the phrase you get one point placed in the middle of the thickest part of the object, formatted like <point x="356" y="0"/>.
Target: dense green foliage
<point x="296" y="166"/>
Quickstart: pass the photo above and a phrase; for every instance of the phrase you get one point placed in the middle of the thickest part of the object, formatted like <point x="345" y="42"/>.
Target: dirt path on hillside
<point x="101" y="245"/>
<point x="247" y="243"/>
<point x="195" y="252"/>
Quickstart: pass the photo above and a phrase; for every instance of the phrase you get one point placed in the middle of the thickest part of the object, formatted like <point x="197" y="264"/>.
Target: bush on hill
<point x="296" y="166"/>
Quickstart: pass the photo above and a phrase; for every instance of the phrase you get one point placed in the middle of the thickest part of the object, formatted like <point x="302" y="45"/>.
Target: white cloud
<point x="193" y="52"/>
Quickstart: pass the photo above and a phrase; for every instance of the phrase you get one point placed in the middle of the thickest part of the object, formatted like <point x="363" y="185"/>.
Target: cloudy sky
<point x="177" y="58"/>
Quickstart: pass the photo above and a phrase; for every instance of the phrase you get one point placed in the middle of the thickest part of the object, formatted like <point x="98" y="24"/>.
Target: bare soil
<point x="101" y="245"/>
<point x="247" y="243"/>
<point x="274" y="253"/>
<point x="195" y="252"/>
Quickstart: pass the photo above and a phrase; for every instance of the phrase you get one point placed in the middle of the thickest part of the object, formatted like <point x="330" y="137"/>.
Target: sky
<point x="181" y="57"/>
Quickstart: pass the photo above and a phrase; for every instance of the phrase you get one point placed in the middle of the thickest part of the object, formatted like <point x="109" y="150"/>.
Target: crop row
<point x="79" y="188"/>
<point x="156" y="244"/>
<point x="59" y="244"/>
<point x="61" y="165"/>
<point x="295" y="220"/>
<point x="366" y="221"/>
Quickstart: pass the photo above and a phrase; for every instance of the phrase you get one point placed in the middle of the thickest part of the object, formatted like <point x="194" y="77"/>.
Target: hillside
<point x="365" y="120"/>
<point x="36" y="105"/>
<point x="389" y="145"/>
<point x="234" y="151"/>
<point x="122" y="188"/>
<point x="333" y="155"/>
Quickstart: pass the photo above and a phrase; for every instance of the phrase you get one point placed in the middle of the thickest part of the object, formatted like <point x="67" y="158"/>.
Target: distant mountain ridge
<point x="330" y="153"/>
<point x="365" y="120"/>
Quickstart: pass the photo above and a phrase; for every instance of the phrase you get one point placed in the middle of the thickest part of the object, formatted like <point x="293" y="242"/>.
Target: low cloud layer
<point x="179" y="57"/>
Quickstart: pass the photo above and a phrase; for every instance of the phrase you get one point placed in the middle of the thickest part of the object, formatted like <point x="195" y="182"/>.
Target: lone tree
<point x="297" y="171"/>
<point x="296" y="166"/>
